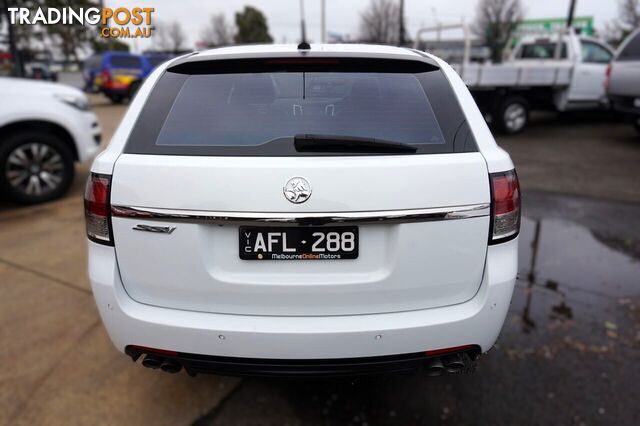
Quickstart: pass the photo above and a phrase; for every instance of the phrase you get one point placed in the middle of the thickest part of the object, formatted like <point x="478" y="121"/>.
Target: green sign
<point x="553" y="25"/>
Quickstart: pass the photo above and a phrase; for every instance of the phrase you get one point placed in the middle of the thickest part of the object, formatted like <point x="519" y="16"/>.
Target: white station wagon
<point x="283" y="210"/>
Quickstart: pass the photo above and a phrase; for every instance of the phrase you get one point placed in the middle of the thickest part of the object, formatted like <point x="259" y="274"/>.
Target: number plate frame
<point x="294" y="236"/>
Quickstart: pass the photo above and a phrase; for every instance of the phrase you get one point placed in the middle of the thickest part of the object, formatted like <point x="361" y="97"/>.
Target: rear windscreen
<point x="260" y="113"/>
<point x="125" y="62"/>
<point x="253" y="109"/>
<point x="631" y="51"/>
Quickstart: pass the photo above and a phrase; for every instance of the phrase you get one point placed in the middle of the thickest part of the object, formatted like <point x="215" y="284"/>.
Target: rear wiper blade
<point x="349" y="144"/>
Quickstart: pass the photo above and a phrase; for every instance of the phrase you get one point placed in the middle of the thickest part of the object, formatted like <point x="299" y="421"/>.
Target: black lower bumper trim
<point x="625" y="104"/>
<point x="259" y="367"/>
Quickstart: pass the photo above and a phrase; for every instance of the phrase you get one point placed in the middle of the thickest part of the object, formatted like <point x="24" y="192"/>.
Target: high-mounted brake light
<point x="97" y="209"/>
<point x="301" y="61"/>
<point x="505" y="206"/>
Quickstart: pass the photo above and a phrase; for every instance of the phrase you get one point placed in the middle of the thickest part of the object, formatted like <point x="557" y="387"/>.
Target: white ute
<point x="44" y="128"/>
<point x="277" y="210"/>
<point x="563" y="71"/>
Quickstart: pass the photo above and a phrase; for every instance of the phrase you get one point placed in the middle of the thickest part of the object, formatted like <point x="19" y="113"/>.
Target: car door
<point x="589" y="73"/>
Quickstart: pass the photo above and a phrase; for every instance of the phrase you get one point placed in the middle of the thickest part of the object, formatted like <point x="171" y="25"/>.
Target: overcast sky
<point x="343" y="15"/>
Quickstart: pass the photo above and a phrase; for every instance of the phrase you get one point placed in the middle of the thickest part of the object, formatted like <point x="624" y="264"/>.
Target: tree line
<point x="250" y="26"/>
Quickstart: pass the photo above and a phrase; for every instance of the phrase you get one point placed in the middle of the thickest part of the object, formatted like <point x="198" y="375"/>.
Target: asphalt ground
<point x="567" y="355"/>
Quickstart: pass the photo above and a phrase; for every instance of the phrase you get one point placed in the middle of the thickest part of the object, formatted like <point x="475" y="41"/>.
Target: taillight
<point x="97" y="209"/>
<point x="607" y="78"/>
<point x="106" y="78"/>
<point x="505" y="206"/>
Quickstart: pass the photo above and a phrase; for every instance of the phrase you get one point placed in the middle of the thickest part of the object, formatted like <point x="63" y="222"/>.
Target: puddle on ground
<point x="562" y="255"/>
<point x="569" y="275"/>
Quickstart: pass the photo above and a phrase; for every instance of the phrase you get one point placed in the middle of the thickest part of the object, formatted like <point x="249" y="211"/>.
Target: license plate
<point x="636" y="102"/>
<point x="298" y="243"/>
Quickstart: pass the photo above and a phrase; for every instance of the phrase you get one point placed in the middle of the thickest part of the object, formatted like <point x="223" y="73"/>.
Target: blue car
<point x="116" y="74"/>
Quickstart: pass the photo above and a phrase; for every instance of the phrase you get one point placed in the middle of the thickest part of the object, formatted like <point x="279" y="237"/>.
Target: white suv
<point x="44" y="129"/>
<point x="279" y="210"/>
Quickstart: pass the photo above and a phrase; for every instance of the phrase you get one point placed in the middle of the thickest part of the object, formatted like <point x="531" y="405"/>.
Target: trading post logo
<point x="121" y="22"/>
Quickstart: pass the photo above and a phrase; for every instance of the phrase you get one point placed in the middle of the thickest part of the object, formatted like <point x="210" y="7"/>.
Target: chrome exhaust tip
<point x="170" y="366"/>
<point x="152" y="361"/>
<point x="456" y="363"/>
<point x="435" y="368"/>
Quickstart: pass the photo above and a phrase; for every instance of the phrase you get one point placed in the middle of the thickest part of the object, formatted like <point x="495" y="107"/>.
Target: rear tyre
<point x="35" y="167"/>
<point x="116" y="99"/>
<point x="513" y="115"/>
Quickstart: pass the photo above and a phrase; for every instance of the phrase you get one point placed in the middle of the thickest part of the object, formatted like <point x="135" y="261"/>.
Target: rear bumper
<point x="475" y="322"/>
<point x="625" y="104"/>
<point x="229" y="366"/>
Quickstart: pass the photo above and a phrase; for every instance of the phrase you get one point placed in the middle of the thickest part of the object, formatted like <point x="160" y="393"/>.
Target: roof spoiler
<point x="301" y="64"/>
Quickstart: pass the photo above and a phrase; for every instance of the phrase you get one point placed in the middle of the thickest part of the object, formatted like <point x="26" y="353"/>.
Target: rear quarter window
<point x="594" y="53"/>
<point x="94" y="62"/>
<point x="238" y="111"/>
<point x="541" y="50"/>
<point x="631" y="52"/>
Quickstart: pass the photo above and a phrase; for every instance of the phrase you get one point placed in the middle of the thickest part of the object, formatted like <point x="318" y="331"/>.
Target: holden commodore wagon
<point x="332" y="209"/>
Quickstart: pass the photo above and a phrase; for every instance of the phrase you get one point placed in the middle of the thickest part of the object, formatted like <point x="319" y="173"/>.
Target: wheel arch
<point x="44" y="126"/>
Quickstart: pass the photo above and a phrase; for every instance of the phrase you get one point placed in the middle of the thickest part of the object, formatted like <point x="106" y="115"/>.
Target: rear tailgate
<point x="401" y="266"/>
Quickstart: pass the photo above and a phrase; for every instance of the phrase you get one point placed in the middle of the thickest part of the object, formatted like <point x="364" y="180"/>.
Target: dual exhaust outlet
<point x="446" y="364"/>
<point x="452" y="364"/>
<point x="165" y="364"/>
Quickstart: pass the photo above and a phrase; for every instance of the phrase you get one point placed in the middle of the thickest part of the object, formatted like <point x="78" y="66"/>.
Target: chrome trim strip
<point x="247" y="218"/>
